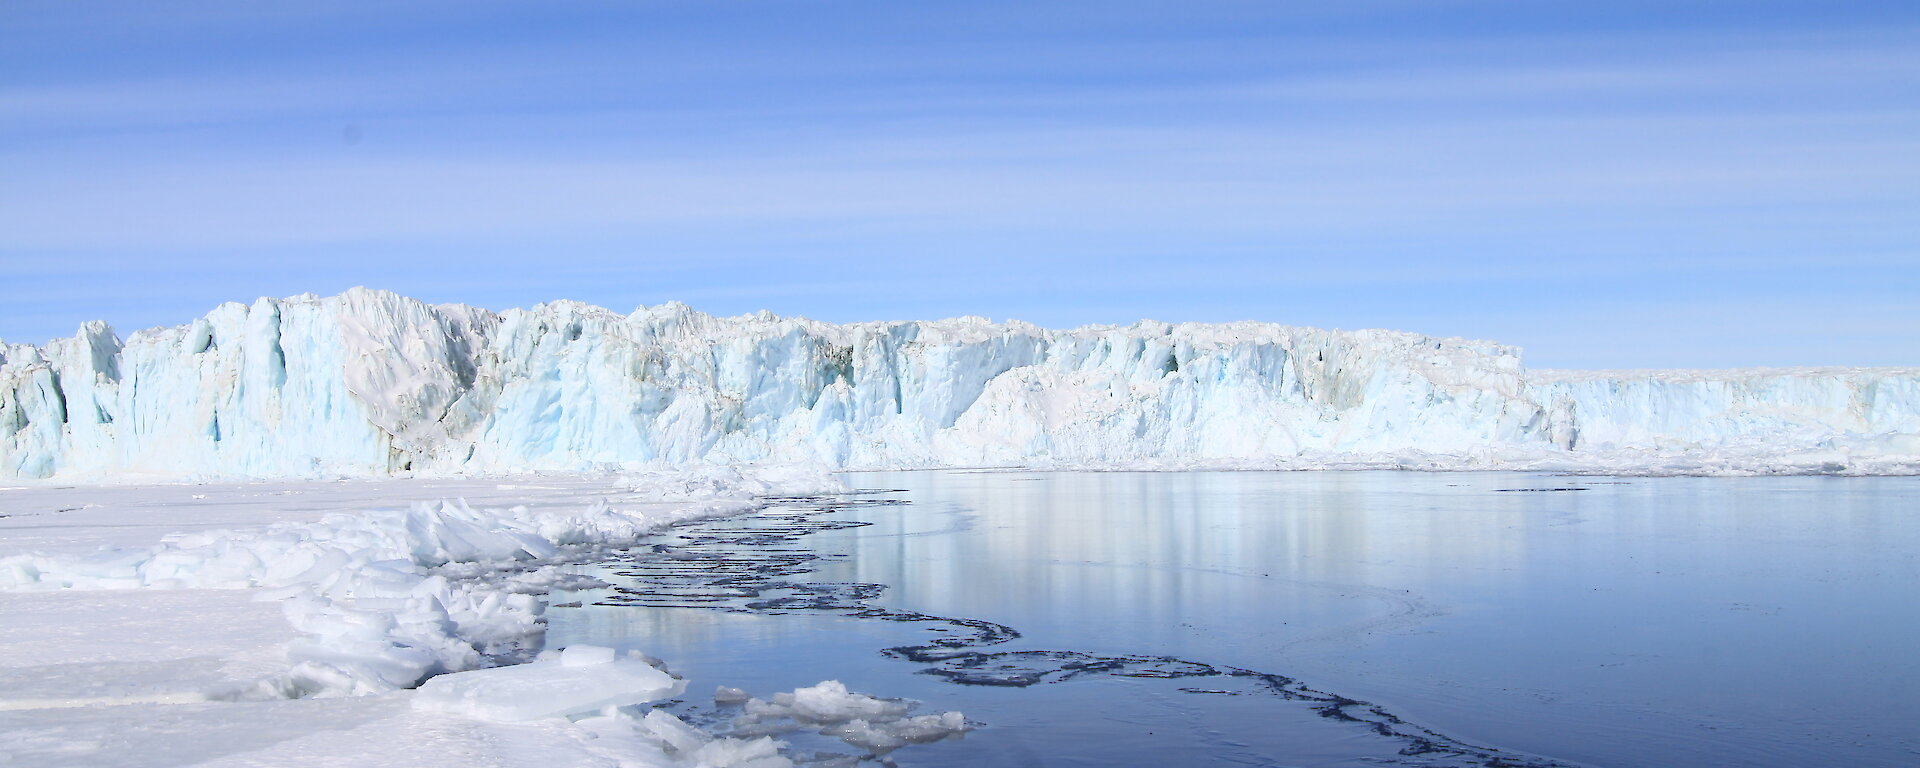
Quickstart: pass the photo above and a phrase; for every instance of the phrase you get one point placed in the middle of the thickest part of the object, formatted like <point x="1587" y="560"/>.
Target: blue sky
<point x="1617" y="184"/>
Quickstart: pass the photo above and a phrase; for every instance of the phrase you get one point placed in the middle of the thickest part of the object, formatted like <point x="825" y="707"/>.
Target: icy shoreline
<point x="375" y="603"/>
<point x="371" y="384"/>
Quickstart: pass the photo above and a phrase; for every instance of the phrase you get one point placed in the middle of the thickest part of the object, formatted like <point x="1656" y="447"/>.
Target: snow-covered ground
<point x="369" y="383"/>
<point x="289" y="623"/>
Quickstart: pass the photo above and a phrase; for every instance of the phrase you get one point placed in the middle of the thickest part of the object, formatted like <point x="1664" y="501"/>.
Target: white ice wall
<point x="1685" y="409"/>
<point x="370" y="382"/>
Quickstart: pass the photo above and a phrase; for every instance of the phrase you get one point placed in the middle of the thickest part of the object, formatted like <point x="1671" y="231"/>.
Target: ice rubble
<point x="371" y="383"/>
<point x="385" y="598"/>
<point x="877" y="726"/>
<point x="601" y="691"/>
<point x="440" y="595"/>
<point x="443" y="593"/>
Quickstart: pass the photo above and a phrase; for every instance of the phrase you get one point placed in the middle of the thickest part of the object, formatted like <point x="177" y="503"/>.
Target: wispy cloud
<point x="1327" y="166"/>
<point x="1289" y="180"/>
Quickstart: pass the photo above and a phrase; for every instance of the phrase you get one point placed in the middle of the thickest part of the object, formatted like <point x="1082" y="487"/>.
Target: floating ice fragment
<point x="762" y="752"/>
<point x="827" y="702"/>
<point x="868" y="722"/>
<point x="883" y="737"/>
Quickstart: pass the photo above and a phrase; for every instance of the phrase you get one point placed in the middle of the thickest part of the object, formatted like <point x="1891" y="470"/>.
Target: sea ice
<point x="209" y="630"/>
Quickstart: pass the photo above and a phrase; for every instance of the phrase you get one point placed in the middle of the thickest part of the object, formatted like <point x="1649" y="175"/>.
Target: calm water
<point x="1632" y="622"/>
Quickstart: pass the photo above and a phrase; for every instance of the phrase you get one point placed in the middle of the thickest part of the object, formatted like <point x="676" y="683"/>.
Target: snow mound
<point x="372" y="383"/>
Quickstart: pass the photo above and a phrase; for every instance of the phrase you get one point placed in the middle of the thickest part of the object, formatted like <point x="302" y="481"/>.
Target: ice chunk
<point x="871" y="723"/>
<point x="885" y="736"/>
<point x="546" y="689"/>
<point x="827" y="702"/>
<point x="762" y="752"/>
<point x="675" y="732"/>
<point x="586" y="655"/>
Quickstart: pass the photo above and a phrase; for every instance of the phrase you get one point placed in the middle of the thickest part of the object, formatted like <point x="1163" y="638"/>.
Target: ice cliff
<point x="372" y="383"/>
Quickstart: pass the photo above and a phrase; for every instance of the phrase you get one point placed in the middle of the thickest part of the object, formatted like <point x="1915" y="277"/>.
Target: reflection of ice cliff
<point x="370" y="383"/>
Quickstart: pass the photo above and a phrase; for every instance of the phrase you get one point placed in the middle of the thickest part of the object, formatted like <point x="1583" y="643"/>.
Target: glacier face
<point x="372" y="383"/>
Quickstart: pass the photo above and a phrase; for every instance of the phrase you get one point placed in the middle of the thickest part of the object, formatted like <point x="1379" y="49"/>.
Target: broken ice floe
<point x="603" y="693"/>
<point x="873" y="724"/>
<point x="602" y="689"/>
<point x="388" y="598"/>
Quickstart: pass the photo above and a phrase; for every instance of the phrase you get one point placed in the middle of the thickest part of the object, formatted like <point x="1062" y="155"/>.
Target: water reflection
<point x="1633" y="622"/>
